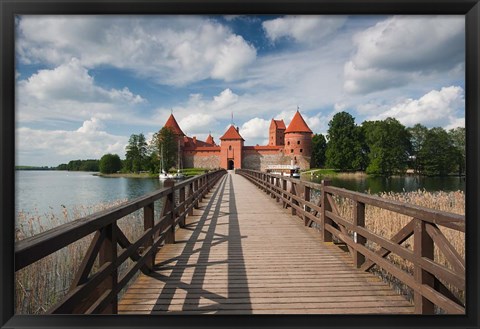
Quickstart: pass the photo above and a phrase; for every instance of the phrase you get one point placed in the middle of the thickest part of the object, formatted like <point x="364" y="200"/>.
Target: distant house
<point x="285" y="145"/>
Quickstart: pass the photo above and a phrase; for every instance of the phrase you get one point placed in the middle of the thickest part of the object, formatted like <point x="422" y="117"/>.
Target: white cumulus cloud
<point x="52" y="147"/>
<point x="69" y="92"/>
<point x="437" y="108"/>
<point x="174" y="50"/>
<point x="303" y="29"/>
<point x="400" y="49"/>
<point x="256" y="130"/>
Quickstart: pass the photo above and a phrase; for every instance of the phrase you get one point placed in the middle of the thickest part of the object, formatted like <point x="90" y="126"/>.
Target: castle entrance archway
<point x="231" y="165"/>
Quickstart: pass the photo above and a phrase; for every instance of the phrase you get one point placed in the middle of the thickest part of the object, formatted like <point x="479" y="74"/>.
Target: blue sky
<point x="84" y="84"/>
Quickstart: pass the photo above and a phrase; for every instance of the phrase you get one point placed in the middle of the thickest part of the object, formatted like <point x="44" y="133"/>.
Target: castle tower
<point x="173" y="125"/>
<point x="231" y="149"/>
<point x="276" y="134"/>
<point x="298" y="138"/>
<point x="210" y="140"/>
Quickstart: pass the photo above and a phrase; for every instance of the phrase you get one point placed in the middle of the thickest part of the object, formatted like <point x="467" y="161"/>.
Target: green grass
<point x="321" y="172"/>
<point x="194" y="171"/>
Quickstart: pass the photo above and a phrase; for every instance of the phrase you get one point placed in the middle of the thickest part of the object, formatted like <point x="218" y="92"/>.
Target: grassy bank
<point x="128" y="175"/>
<point x="189" y="172"/>
<point x="315" y="172"/>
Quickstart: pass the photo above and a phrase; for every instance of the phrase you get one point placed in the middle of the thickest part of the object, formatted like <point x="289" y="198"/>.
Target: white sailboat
<point x="178" y="174"/>
<point x="163" y="174"/>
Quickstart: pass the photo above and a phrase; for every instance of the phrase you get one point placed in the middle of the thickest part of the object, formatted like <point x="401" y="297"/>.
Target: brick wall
<point x="195" y="161"/>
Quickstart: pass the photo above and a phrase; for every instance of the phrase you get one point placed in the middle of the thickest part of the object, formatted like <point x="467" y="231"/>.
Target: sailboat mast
<point x="178" y="155"/>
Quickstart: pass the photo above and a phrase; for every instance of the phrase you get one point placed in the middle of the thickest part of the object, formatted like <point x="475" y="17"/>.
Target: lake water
<point x="46" y="192"/>
<point x="375" y="185"/>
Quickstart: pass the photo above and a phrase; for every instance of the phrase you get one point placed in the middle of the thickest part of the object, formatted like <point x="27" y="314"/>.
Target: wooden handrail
<point x="427" y="281"/>
<point x="97" y="292"/>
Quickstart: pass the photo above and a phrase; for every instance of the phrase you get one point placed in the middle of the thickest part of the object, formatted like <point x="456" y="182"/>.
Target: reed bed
<point x="42" y="284"/>
<point x="386" y="224"/>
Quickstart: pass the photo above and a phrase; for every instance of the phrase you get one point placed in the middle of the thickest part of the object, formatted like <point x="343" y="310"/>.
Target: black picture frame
<point x="10" y="8"/>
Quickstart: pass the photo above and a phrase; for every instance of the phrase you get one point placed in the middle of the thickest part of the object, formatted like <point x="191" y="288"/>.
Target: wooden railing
<point x="430" y="281"/>
<point x="98" y="292"/>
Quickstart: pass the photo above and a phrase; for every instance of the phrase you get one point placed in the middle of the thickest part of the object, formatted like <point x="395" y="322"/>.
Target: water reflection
<point x="394" y="184"/>
<point x="52" y="191"/>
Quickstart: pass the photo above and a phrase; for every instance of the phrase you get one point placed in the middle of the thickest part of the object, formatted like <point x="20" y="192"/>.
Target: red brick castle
<point x="287" y="145"/>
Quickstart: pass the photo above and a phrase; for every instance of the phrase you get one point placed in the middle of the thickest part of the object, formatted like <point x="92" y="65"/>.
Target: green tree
<point x="458" y="136"/>
<point x="345" y="146"/>
<point x="388" y="143"/>
<point x="82" y="165"/>
<point x="164" y="145"/>
<point x="319" y="146"/>
<point x="110" y="163"/>
<point x="438" y="153"/>
<point x="136" y="153"/>
<point x="418" y="134"/>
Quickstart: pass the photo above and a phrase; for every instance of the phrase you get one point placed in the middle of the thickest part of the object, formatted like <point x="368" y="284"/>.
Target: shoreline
<point x="126" y="175"/>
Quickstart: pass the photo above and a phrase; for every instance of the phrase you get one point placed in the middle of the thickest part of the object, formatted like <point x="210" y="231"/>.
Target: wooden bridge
<point x="250" y="242"/>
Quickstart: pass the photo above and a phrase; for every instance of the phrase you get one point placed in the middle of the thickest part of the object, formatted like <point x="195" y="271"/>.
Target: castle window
<point x="230" y="147"/>
<point x="288" y="143"/>
<point x="298" y="142"/>
<point x="301" y="150"/>
<point x="291" y="150"/>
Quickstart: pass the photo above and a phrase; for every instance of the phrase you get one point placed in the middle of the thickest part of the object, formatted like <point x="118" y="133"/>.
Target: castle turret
<point x="210" y="140"/>
<point x="232" y="147"/>
<point x="298" y="138"/>
<point x="276" y="133"/>
<point x="173" y="125"/>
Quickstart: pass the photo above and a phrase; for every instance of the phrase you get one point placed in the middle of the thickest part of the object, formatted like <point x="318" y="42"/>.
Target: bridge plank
<point x="242" y="253"/>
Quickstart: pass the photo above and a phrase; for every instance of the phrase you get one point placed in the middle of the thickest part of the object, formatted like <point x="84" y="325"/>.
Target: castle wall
<point x="208" y="162"/>
<point x="258" y="158"/>
<point x="202" y="157"/>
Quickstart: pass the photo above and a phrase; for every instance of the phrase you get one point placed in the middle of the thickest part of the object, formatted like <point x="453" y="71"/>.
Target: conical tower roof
<point x="173" y="125"/>
<point x="231" y="133"/>
<point x="298" y="125"/>
<point x="210" y="140"/>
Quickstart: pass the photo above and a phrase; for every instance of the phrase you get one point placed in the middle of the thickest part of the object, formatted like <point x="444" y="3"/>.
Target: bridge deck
<point x="241" y="253"/>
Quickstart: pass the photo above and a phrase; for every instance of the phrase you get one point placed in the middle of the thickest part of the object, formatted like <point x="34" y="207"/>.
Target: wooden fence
<point x="430" y="281"/>
<point x="98" y="292"/>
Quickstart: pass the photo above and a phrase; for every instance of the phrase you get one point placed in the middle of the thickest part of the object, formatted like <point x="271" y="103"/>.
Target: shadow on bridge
<point x="191" y="291"/>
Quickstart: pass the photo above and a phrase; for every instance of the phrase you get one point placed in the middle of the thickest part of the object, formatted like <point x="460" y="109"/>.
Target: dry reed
<point x="42" y="284"/>
<point x="387" y="223"/>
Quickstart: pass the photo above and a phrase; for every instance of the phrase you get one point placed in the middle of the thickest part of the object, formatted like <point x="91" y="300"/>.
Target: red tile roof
<point x="298" y="125"/>
<point x="210" y="140"/>
<point x="279" y="124"/>
<point x="173" y="125"/>
<point x="231" y="133"/>
<point x="190" y="143"/>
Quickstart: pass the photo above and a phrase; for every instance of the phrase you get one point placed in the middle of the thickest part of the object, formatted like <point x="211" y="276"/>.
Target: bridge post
<point x="293" y="192"/>
<point x="108" y="253"/>
<point x="148" y="223"/>
<point x="195" y="190"/>
<point x="284" y="189"/>
<point x="359" y="221"/>
<point x="306" y="197"/>
<point x="190" y="195"/>
<point x="169" y="207"/>
<point x="272" y="186"/>
<point x="181" y="199"/>
<point x="422" y="247"/>
<point x="277" y="187"/>
<point x="326" y="235"/>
